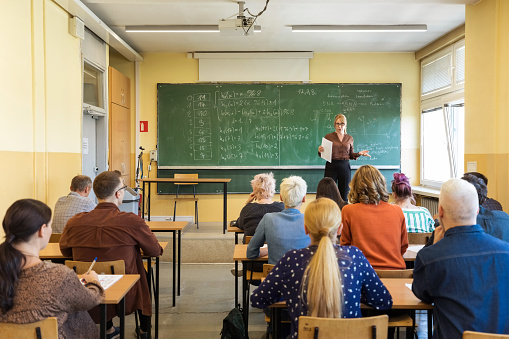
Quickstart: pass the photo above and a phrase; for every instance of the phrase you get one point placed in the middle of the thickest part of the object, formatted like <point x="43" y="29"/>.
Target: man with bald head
<point x="465" y="273"/>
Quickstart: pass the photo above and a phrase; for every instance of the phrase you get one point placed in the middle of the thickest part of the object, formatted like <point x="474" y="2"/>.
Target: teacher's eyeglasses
<point x="339" y="123"/>
<point x="121" y="188"/>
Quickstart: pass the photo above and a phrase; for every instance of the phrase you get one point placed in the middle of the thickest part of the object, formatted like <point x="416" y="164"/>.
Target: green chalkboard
<point x="273" y="126"/>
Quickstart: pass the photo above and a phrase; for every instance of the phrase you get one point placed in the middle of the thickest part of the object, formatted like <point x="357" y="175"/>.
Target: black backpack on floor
<point x="233" y="325"/>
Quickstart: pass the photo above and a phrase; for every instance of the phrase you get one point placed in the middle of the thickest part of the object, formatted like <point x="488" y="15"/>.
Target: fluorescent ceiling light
<point x="358" y="28"/>
<point x="178" y="29"/>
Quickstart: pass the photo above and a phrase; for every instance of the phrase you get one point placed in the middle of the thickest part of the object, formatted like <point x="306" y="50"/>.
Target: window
<point x="442" y="115"/>
<point x="93" y="86"/>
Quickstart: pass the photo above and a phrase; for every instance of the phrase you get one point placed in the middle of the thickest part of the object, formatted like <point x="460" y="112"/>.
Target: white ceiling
<point x="441" y="16"/>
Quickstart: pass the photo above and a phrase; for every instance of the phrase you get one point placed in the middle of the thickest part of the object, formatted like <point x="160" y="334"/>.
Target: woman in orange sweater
<point x="373" y="225"/>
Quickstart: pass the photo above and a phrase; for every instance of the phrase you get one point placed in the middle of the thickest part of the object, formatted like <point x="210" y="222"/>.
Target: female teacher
<point x="342" y="152"/>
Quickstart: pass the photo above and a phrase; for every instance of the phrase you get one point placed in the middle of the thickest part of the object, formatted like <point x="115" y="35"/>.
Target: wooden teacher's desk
<point x="224" y="181"/>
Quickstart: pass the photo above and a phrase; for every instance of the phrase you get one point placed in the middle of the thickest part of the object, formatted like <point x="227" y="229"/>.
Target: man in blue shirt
<point x="283" y="231"/>
<point x="465" y="273"/>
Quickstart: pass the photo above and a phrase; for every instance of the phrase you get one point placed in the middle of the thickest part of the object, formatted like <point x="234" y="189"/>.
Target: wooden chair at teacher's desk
<point x="43" y="329"/>
<point x="481" y="335"/>
<point x="401" y="320"/>
<point x="359" y="328"/>
<point x="418" y="238"/>
<point x="194" y="198"/>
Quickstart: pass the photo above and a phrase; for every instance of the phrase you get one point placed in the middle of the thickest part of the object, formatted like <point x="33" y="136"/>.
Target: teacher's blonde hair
<point x="342" y="118"/>
<point x="322" y="279"/>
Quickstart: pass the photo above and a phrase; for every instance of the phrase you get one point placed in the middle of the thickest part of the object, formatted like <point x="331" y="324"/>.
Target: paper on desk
<point x="415" y="248"/>
<point x="107" y="280"/>
<point x="409" y="286"/>
<point x="327" y="150"/>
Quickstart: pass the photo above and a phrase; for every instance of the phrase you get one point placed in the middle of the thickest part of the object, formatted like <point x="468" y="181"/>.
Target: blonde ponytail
<point x="322" y="279"/>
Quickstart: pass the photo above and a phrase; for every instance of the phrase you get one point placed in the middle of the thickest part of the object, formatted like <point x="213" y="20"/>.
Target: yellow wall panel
<point x="62" y="167"/>
<point x="16" y="76"/>
<point x="19" y="179"/>
<point x="63" y="83"/>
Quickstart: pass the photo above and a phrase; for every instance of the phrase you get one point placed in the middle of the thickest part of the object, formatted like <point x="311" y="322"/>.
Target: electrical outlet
<point x="153" y="155"/>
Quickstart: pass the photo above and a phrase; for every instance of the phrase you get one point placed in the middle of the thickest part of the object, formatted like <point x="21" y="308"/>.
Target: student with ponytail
<point x="31" y="289"/>
<point x="311" y="279"/>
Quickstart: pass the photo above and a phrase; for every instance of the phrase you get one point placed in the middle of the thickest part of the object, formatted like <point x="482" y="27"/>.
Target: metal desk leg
<point x="245" y="299"/>
<point x="275" y="321"/>
<point x="430" y="323"/>
<point x="121" y="311"/>
<point x="225" y="206"/>
<point x="103" y="321"/>
<point x="174" y="267"/>
<point x="143" y="202"/>
<point x="156" y="296"/>
<point x="179" y="262"/>
<point x="236" y="283"/>
<point x="148" y="201"/>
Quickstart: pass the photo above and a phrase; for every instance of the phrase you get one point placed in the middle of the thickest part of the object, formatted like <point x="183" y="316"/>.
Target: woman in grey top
<point x="32" y="290"/>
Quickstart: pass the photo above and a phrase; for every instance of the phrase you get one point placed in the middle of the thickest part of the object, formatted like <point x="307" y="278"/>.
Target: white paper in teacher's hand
<point x="327" y="150"/>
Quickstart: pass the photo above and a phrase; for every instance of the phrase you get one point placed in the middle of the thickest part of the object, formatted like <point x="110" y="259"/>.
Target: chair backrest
<point x="360" y="328"/>
<point x="247" y="239"/>
<point x="185" y="176"/>
<point x="480" y="335"/>
<point x="44" y="329"/>
<point x="266" y="269"/>
<point x="55" y="237"/>
<point x="409" y="273"/>
<point x="104" y="267"/>
<point x="418" y="238"/>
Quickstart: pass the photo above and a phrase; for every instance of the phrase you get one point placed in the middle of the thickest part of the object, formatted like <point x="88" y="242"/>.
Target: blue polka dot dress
<point x="360" y="284"/>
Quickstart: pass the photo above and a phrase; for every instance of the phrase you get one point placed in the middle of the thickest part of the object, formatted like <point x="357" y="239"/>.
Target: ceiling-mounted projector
<point x="242" y="25"/>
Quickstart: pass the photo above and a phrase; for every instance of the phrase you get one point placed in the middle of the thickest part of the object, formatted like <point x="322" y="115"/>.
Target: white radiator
<point x="431" y="204"/>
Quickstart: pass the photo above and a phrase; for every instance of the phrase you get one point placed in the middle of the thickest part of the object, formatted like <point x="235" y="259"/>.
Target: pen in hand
<point x="91" y="266"/>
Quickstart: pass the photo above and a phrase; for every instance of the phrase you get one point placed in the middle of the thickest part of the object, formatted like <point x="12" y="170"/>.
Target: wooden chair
<point x="480" y="335"/>
<point x="360" y="328"/>
<point x="401" y="320"/>
<point x="55" y="237"/>
<point x="194" y="198"/>
<point x="44" y="329"/>
<point x="418" y="238"/>
<point x="104" y="267"/>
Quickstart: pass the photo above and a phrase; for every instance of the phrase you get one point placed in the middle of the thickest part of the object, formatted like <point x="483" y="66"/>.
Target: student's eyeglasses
<point x="122" y="188"/>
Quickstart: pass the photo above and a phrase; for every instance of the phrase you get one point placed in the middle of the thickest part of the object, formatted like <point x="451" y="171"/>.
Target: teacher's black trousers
<point x="339" y="171"/>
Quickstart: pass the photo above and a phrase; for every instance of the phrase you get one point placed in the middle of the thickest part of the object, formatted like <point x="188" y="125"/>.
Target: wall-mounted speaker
<point x="77" y="27"/>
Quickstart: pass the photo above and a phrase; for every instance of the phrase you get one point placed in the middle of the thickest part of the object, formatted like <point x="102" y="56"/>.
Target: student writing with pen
<point x="33" y="290"/>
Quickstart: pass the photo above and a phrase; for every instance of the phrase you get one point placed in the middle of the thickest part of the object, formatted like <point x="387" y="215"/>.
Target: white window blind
<point x="460" y="65"/>
<point x="436" y="75"/>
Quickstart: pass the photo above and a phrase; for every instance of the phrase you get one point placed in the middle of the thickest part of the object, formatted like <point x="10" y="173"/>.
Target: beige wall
<point x="486" y="93"/>
<point x="324" y="67"/>
<point x="40" y="88"/>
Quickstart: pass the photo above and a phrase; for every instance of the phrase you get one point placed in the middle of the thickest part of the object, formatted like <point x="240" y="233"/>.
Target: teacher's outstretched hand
<point x="342" y="151"/>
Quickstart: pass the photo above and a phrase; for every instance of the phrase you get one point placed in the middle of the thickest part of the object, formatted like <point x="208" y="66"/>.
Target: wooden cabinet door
<point x="120" y="88"/>
<point x="120" y="141"/>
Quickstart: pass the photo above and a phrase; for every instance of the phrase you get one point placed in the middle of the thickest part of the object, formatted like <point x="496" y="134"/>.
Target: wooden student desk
<point x="224" y="181"/>
<point x="176" y="228"/>
<point x="52" y="252"/>
<point x="113" y="296"/>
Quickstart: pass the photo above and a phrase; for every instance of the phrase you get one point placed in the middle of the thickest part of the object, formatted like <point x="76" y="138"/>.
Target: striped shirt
<point x="418" y="220"/>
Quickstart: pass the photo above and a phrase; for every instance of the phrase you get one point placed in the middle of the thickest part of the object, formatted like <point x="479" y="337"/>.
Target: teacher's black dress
<point x="339" y="168"/>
